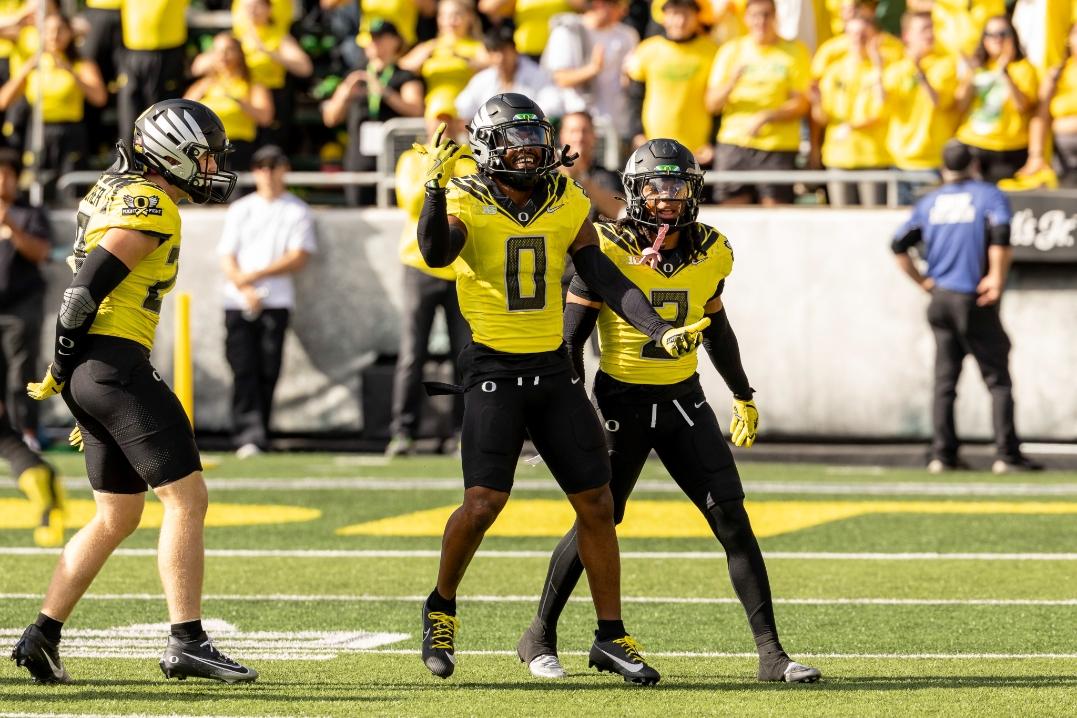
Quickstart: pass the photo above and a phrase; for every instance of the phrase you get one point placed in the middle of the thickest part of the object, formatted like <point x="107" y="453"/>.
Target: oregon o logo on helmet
<point x="525" y="116"/>
<point x="667" y="168"/>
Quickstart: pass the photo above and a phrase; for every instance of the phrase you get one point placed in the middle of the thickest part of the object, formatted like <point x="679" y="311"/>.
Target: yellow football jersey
<point x="678" y="290"/>
<point x="130" y="201"/>
<point x="509" y="273"/>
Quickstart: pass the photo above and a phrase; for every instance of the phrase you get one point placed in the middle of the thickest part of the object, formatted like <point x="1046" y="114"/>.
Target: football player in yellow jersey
<point x="649" y="400"/>
<point x="133" y="429"/>
<point x="509" y="228"/>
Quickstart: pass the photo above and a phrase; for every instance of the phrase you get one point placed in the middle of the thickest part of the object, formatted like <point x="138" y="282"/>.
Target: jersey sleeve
<point x="142" y="208"/>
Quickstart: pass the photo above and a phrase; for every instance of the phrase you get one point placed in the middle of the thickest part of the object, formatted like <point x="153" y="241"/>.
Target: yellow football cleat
<point x="45" y="491"/>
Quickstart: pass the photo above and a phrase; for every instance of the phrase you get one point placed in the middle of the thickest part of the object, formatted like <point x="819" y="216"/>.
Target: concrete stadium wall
<point x="834" y="337"/>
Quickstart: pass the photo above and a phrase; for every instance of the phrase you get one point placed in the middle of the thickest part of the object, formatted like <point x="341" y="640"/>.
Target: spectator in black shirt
<point x="379" y="91"/>
<point x="24" y="246"/>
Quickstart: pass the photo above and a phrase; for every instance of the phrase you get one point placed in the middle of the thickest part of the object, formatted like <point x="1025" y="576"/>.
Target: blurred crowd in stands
<point x="747" y="84"/>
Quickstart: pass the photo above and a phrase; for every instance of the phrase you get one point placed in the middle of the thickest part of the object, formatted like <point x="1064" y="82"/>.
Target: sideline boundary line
<point x="645" y="555"/>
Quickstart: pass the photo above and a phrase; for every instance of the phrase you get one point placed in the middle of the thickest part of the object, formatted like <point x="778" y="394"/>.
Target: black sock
<point x="189" y="631"/>
<point x="609" y="630"/>
<point x="49" y="626"/>
<point x="436" y="602"/>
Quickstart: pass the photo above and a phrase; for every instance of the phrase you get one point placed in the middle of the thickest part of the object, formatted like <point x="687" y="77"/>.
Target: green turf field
<point x="914" y="595"/>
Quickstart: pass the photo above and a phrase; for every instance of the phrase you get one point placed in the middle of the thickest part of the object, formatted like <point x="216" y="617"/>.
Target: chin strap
<point x="651" y="255"/>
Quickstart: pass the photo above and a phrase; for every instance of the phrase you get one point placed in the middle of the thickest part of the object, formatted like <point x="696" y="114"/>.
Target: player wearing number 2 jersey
<point x="509" y="228"/>
<point x="650" y="400"/>
<point x="134" y="430"/>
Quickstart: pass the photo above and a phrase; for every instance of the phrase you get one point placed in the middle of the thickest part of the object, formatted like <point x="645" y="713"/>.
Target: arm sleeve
<point x="439" y="243"/>
<point x="999" y="235"/>
<point x="615" y="289"/>
<point x="101" y="273"/>
<point x="721" y="345"/>
<point x="580" y="321"/>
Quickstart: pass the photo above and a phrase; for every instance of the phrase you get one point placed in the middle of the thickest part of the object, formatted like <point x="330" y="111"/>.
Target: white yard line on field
<point x="685" y="600"/>
<point x="453" y="483"/>
<point x="719" y="654"/>
<point x="23" y="714"/>
<point x="643" y="555"/>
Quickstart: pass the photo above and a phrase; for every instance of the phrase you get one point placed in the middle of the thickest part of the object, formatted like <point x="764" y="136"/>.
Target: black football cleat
<point x="622" y="656"/>
<point x="201" y="659"/>
<point x="439" y="642"/>
<point x="40" y="656"/>
<point x="783" y="668"/>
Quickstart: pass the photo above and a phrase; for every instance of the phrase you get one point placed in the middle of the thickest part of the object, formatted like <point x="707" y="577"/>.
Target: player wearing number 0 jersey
<point x="508" y="229"/>
<point x="133" y="429"/>
<point x="650" y="400"/>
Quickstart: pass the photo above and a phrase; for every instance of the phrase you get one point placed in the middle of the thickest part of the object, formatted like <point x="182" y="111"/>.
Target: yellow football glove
<point x="745" y="422"/>
<point x="46" y="387"/>
<point x="75" y="438"/>
<point x="441" y="156"/>
<point x="682" y="340"/>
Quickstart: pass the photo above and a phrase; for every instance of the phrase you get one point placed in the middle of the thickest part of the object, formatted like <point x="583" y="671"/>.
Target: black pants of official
<point x="20" y="347"/>
<point x="423" y="294"/>
<point x="13" y="449"/>
<point x="961" y="328"/>
<point x="255" y="349"/>
<point x="148" y="76"/>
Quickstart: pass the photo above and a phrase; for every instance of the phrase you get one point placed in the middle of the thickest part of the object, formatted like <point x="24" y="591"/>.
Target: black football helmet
<point x="174" y="137"/>
<point x="662" y="169"/>
<point x="511" y="121"/>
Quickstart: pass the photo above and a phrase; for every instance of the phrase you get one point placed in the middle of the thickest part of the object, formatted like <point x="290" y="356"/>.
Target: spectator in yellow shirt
<point x="852" y="108"/>
<point x="1057" y="116"/>
<point x="532" y="18"/>
<point x="154" y="62"/>
<point x="920" y="97"/>
<point x="424" y="290"/>
<point x="64" y="83"/>
<point x="670" y="76"/>
<point x="997" y="96"/>
<point x="229" y="90"/>
<point x="759" y="85"/>
<point x="447" y="62"/>
<point x="403" y="14"/>
<point x="958" y="23"/>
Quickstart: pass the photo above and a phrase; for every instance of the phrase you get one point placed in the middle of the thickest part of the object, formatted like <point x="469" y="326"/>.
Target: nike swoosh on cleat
<point x="451" y="657"/>
<point x="630" y="667"/>
<point x="55" y="668"/>
<point x="216" y="664"/>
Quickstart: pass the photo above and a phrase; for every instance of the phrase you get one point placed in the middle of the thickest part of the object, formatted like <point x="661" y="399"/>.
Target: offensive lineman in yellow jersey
<point x="508" y="229"/>
<point x="133" y="429"/>
<point x="649" y="400"/>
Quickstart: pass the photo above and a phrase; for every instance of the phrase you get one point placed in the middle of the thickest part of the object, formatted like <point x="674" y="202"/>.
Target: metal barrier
<point x="386" y="181"/>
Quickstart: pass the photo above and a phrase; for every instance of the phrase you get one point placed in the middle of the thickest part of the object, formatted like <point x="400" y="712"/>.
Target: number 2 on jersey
<point x="154" y="297"/>
<point x="515" y="249"/>
<point x="661" y="298"/>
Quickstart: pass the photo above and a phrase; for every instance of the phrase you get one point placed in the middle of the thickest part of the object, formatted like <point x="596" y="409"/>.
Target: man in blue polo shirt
<point x="965" y="229"/>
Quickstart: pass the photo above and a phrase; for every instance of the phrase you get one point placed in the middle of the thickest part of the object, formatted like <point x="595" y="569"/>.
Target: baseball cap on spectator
<point x="384" y="27"/>
<point x="268" y="156"/>
<point x="956" y="156"/>
<point x="500" y="36"/>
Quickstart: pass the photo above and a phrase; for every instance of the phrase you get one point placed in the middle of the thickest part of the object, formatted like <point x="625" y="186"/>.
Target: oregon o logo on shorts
<point x="613" y="425"/>
<point x="156" y="375"/>
<point x="489" y="387"/>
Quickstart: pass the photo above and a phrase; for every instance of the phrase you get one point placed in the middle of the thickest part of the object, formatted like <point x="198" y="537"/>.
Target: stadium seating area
<point x="305" y="55"/>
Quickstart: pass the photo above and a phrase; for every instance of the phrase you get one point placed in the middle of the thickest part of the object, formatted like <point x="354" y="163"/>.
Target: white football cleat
<point x="546" y="666"/>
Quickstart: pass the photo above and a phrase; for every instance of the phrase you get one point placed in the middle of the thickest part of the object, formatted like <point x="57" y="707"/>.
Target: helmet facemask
<point x="663" y="198"/>
<point x="205" y="186"/>
<point x="503" y="142"/>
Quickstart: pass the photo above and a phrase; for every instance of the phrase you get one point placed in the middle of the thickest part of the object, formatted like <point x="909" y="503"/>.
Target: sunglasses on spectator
<point x="999" y="34"/>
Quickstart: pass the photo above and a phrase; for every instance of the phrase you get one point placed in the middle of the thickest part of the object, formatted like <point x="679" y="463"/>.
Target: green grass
<point x="876" y="658"/>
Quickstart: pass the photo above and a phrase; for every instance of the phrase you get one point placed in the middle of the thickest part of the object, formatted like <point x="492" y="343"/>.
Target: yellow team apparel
<point x="404" y="14"/>
<point x="993" y="122"/>
<point x="849" y="97"/>
<point x="1064" y="103"/>
<point x="104" y="4"/>
<point x="62" y="100"/>
<point x="919" y="128"/>
<point x="960" y="23"/>
<point x="836" y="48"/>
<point x="281" y="14"/>
<point x="221" y="97"/>
<point x="678" y="294"/>
<point x="533" y="23"/>
<point x="154" y="24"/>
<point x="675" y="74"/>
<point x="8" y="8"/>
<point x="773" y="74"/>
<point x="263" y="68"/>
<point x="130" y="201"/>
<point x="508" y="278"/>
<point x="447" y="71"/>
<point x="410" y="193"/>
